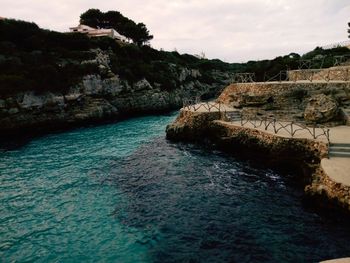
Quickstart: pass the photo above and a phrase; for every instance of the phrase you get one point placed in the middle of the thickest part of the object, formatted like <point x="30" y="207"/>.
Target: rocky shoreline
<point x="296" y="154"/>
<point x="96" y="100"/>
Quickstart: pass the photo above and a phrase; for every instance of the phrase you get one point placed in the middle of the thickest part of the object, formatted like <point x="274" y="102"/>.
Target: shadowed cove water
<point x="122" y="193"/>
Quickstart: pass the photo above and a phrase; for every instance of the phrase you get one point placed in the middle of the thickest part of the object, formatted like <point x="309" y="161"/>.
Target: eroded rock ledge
<point x="303" y="155"/>
<point x="97" y="100"/>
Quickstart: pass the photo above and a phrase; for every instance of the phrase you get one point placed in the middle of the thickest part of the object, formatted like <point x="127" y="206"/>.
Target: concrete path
<point x="337" y="168"/>
<point x="209" y="106"/>
<point x="340" y="260"/>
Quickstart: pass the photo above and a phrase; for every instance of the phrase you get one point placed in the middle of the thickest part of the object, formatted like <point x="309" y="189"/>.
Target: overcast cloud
<point x="231" y="30"/>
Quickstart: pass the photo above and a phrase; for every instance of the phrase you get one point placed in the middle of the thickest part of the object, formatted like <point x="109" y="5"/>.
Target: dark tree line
<point x="114" y="19"/>
<point x="43" y="60"/>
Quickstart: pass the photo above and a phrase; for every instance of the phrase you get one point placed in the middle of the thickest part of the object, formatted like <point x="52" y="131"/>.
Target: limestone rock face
<point x="185" y="73"/>
<point x="98" y="98"/>
<point x="2" y="104"/>
<point x="102" y="61"/>
<point x="31" y="101"/>
<point x="104" y="96"/>
<point x="321" y="108"/>
<point x="142" y="85"/>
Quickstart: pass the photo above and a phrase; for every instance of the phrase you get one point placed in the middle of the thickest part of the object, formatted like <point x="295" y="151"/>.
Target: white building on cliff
<point x="98" y="32"/>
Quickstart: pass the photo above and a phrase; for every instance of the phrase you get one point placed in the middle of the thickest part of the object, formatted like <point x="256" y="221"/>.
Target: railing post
<point x="314" y="131"/>
<point x="291" y="129"/>
<point x="328" y="138"/>
<point x="328" y="76"/>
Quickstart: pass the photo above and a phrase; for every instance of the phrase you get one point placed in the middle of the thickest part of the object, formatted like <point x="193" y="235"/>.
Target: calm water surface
<point x="122" y="193"/>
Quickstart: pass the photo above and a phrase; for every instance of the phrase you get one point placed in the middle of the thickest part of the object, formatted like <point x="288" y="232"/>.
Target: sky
<point x="230" y="30"/>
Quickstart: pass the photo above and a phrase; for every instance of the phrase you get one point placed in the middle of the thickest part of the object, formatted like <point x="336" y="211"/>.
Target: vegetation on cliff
<point x="41" y="60"/>
<point x="319" y="58"/>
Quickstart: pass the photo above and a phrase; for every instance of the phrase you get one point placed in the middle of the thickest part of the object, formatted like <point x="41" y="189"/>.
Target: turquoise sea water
<point x="122" y="193"/>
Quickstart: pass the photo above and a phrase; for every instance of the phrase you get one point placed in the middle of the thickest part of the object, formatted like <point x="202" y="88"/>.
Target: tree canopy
<point x="114" y="19"/>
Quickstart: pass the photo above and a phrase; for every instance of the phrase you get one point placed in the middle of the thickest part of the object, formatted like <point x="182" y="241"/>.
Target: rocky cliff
<point x="51" y="80"/>
<point x="101" y="97"/>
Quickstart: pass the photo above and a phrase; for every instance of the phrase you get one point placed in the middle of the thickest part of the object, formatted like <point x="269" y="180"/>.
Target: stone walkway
<point x="337" y="168"/>
<point x="340" y="260"/>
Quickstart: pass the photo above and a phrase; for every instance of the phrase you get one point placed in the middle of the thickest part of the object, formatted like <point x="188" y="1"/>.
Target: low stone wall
<point x="330" y="74"/>
<point x="301" y="154"/>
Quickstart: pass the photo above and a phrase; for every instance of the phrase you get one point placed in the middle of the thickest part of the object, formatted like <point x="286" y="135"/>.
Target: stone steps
<point x="339" y="150"/>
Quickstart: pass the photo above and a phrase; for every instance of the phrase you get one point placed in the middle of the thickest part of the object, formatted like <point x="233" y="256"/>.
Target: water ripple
<point x="122" y="193"/>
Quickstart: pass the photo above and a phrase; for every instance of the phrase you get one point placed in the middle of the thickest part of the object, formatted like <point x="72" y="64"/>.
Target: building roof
<point x="98" y="32"/>
<point x="82" y="27"/>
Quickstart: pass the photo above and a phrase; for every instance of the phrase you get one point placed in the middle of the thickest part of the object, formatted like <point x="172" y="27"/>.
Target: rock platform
<point x="328" y="178"/>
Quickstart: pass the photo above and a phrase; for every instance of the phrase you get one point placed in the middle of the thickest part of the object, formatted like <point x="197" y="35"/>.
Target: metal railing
<point x="245" y="77"/>
<point x="310" y="75"/>
<point x="316" y="62"/>
<point x="339" y="60"/>
<point x="280" y="76"/>
<point x="195" y="104"/>
<point x="290" y="127"/>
